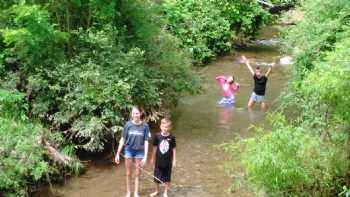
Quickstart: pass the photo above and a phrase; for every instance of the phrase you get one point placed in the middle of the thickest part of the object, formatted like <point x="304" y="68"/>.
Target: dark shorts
<point x="163" y="174"/>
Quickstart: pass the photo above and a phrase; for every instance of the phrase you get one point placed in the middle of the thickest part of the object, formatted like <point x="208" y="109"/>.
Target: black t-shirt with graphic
<point x="164" y="153"/>
<point x="260" y="85"/>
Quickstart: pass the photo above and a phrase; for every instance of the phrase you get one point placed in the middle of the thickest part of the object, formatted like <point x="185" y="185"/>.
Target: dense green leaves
<point x="292" y="160"/>
<point x="207" y="28"/>
<point x="32" y="39"/>
<point x="23" y="158"/>
<point x="324" y="24"/>
<point x="20" y="153"/>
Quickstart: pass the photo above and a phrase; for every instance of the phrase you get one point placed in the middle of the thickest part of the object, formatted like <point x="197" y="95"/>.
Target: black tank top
<point x="260" y="85"/>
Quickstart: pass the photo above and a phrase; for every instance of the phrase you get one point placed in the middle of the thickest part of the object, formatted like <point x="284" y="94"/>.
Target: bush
<point x="208" y="28"/>
<point x="323" y="25"/>
<point x="21" y="157"/>
<point x="292" y="161"/>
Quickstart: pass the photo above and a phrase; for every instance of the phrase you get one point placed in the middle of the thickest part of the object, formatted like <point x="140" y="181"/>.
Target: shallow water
<point x="200" y="125"/>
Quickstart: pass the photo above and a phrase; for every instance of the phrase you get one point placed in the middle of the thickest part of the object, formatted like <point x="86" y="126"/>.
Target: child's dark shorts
<point x="163" y="174"/>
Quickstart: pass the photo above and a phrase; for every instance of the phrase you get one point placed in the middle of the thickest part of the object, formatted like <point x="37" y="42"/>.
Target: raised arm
<point x="269" y="69"/>
<point x="221" y="79"/>
<point x="246" y="61"/>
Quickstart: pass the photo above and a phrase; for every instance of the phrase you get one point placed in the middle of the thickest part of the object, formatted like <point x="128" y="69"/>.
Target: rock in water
<point x="286" y="60"/>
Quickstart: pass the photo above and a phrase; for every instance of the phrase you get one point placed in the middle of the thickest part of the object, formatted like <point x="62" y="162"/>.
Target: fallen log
<point x="56" y="156"/>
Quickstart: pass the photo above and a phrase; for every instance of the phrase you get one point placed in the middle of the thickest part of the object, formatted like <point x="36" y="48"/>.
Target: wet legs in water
<point x="166" y="189"/>
<point x="128" y="165"/>
<point x="251" y="103"/>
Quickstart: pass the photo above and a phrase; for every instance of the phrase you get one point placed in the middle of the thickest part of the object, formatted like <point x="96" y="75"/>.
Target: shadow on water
<point x="200" y="125"/>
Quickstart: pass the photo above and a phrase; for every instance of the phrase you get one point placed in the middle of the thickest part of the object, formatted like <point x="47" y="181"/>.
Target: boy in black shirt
<point x="260" y="81"/>
<point x="163" y="156"/>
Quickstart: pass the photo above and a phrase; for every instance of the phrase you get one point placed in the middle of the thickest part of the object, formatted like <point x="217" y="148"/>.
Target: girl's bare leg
<point x="263" y="106"/>
<point x="128" y="166"/>
<point x="250" y="103"/>
<point x="137" y="176"/>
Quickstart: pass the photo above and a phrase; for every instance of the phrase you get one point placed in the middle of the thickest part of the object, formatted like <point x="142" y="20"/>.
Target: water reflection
<point x="256" y="116"/>
<point x="225" y="117"/>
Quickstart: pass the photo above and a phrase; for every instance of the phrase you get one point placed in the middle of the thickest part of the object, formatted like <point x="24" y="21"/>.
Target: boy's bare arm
<point x="246" y="61"/>
<point x="174" y="157"/>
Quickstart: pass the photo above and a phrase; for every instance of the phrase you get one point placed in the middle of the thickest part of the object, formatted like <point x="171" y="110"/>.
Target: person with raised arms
<point x="260" y="81"/>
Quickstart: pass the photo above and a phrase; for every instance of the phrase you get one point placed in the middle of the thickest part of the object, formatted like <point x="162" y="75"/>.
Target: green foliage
<point x="323" y="25"/>
<point x="21" y="156"/>
<point x="291" y="161"/>
<point x="329" y="96"/>
<point x="200" y="27"/>
<point x="23" y="159"/>
<point x="32" y="40"/>
<point x="243" y="16"/>
<point x="345" y="192"/>
<point x="10" y="102"/>
<point x="208" y="28"/>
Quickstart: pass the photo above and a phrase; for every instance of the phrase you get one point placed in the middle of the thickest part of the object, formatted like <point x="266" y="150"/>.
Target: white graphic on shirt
<point x="136" y="132"/>
<point x="164" y="146"/>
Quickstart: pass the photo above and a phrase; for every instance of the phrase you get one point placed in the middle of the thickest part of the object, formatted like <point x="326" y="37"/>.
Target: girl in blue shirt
<point x="135" y="139"/>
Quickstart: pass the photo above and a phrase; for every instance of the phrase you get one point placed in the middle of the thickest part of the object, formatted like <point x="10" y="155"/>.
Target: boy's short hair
<point x="166" y="121"/>
<point x="257" y="67"/>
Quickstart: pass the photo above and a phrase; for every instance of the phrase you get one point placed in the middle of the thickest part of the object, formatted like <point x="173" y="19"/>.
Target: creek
<point x="200" y="127"/>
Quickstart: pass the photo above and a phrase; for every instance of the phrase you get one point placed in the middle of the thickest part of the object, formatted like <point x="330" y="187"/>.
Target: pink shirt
<point x="228" y="89"/>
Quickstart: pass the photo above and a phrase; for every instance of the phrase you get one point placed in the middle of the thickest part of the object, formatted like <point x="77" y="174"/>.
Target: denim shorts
<point x="132" y="153"/>
<point x="257" y="98"/>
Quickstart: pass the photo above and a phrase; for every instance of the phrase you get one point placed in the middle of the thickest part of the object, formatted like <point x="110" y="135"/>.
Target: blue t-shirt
<point x="135" y="135"/>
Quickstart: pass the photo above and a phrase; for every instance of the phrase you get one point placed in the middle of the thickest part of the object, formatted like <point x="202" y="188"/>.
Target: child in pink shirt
<point x="229" y="87"/>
